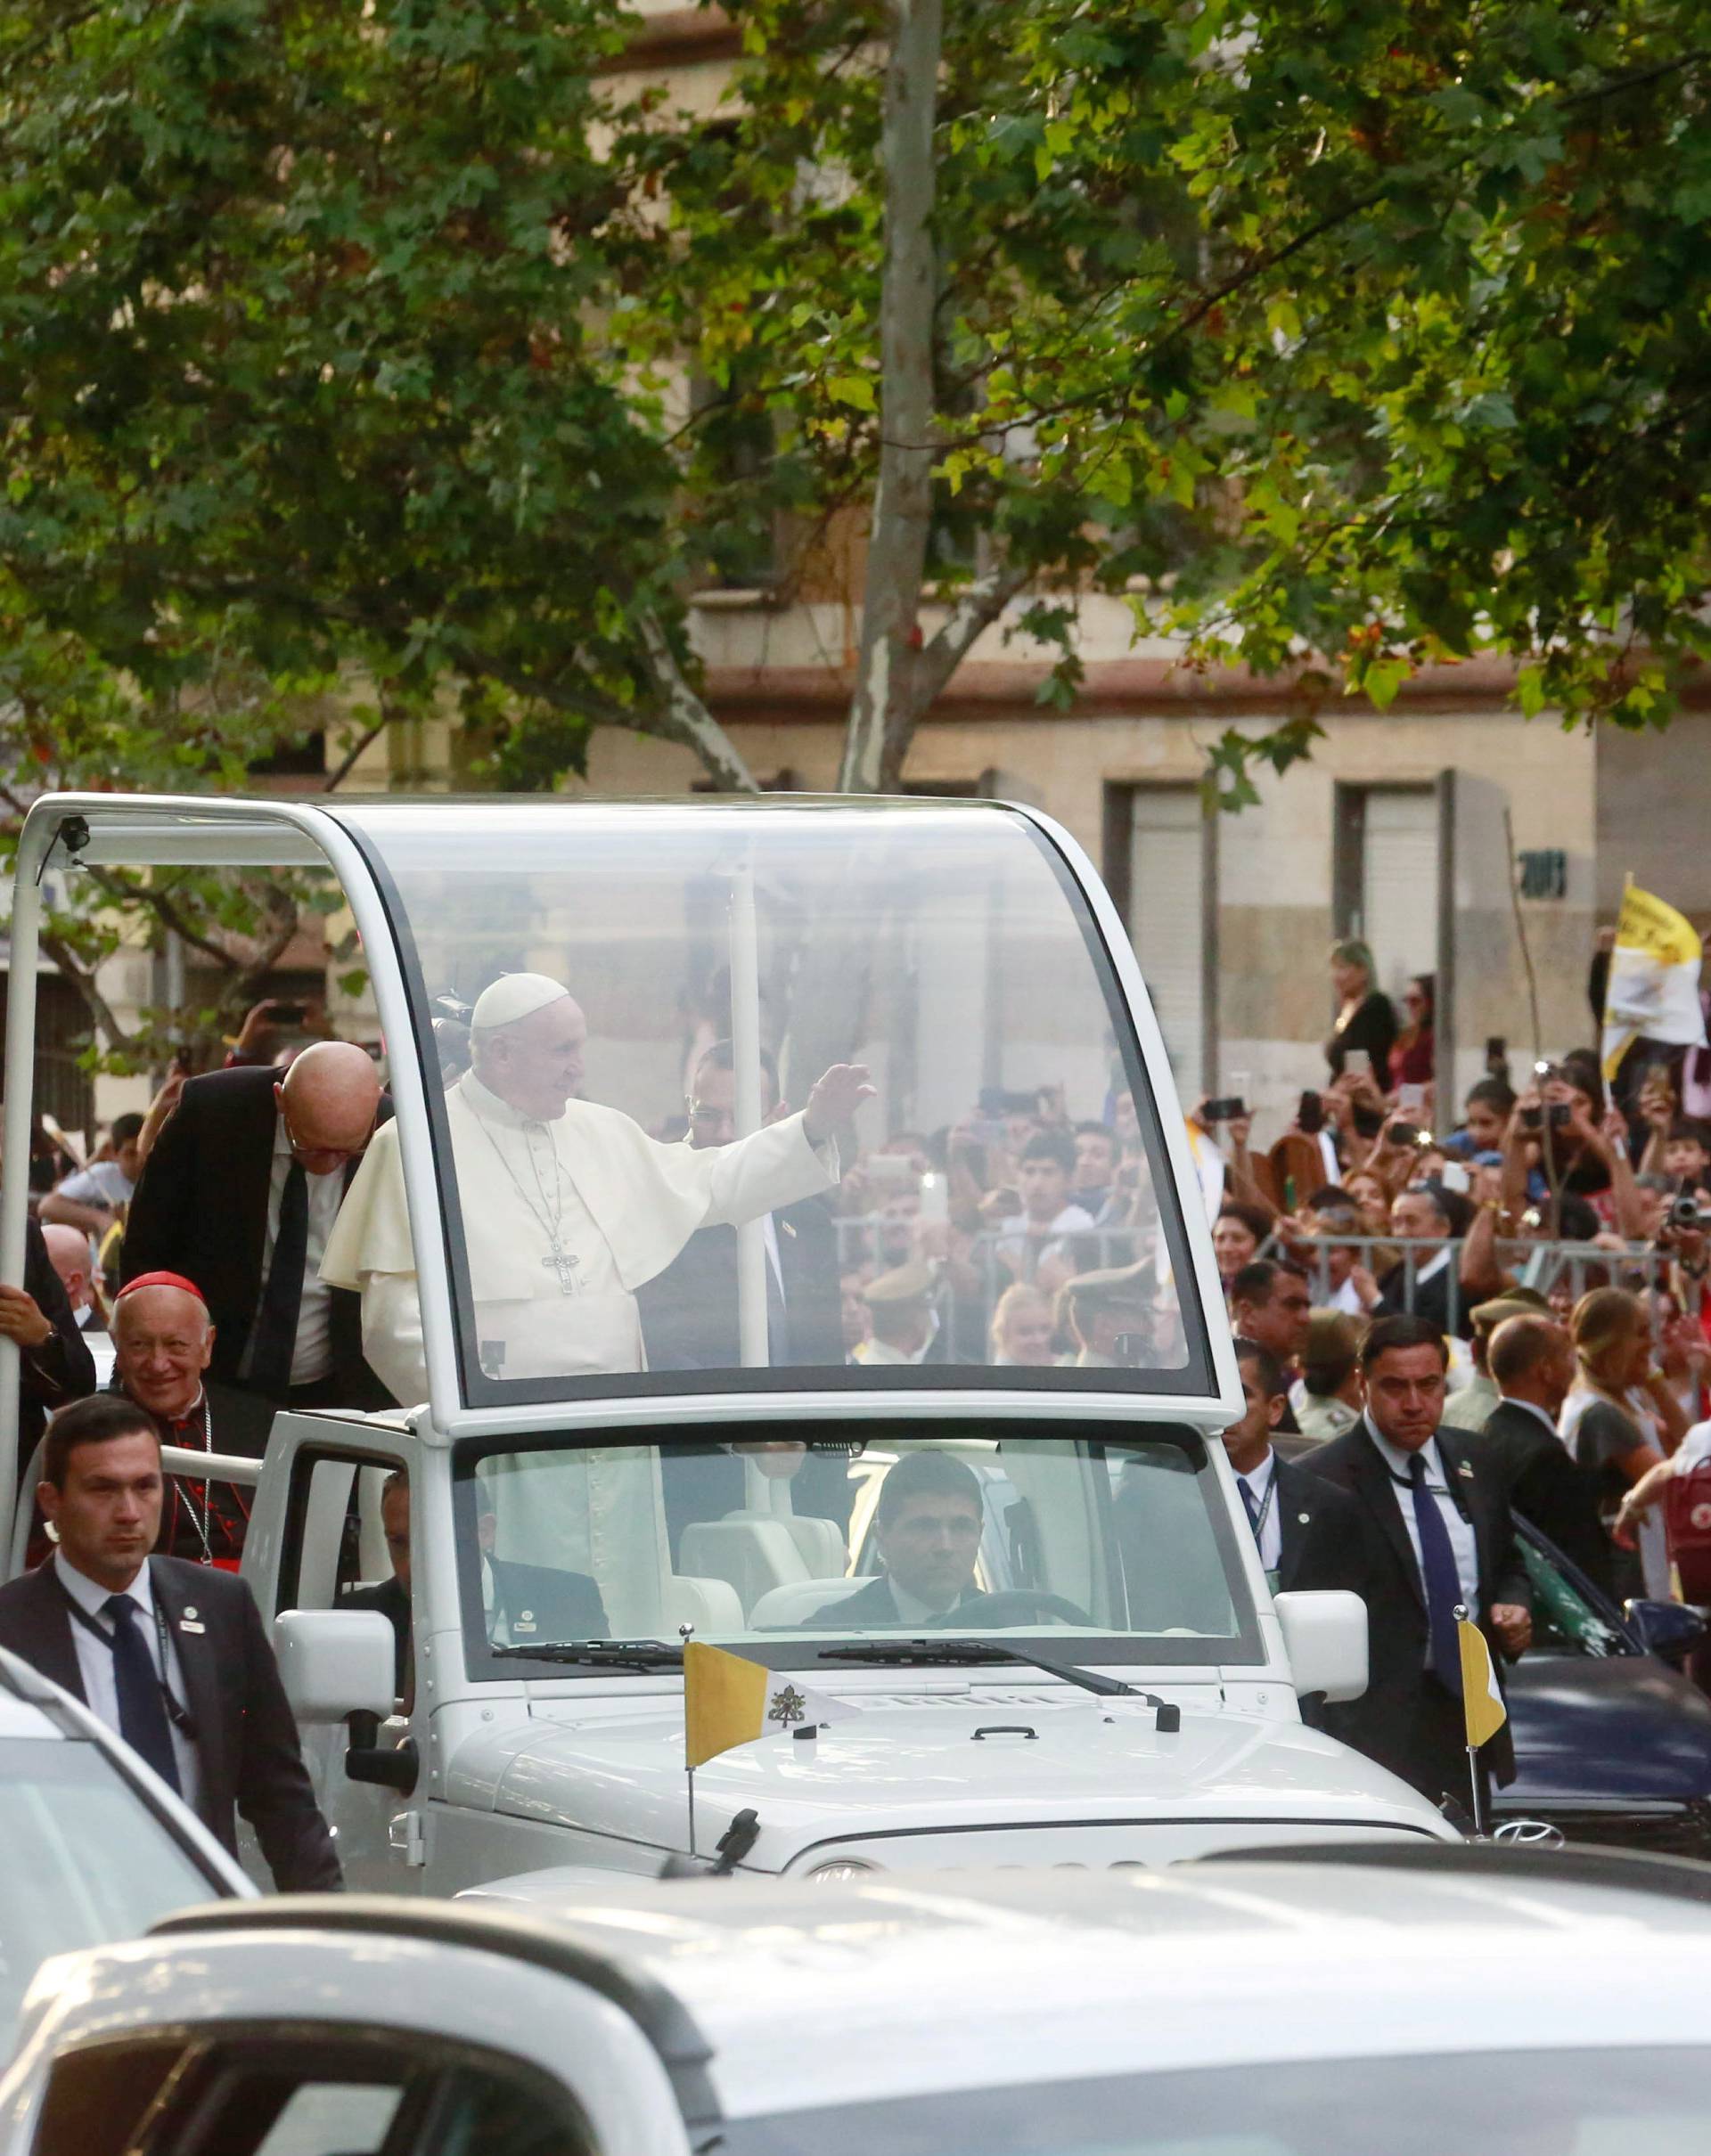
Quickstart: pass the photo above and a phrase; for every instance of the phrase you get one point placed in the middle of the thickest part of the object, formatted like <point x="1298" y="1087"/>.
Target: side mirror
<point x="1324" y="1636"/>
<point x="335" y="1662"/>
<point x="1669" y="1629"/>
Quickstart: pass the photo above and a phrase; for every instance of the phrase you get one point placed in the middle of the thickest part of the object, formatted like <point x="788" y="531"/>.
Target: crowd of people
<point x="1529" y="1284"/>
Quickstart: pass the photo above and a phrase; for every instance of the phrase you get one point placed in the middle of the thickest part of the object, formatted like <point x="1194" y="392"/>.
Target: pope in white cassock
<point x="566" y="1209"/>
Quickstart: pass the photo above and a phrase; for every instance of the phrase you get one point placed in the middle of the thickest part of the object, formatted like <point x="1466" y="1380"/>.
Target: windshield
<point x="1566" y="2102"/>
<point x="86" y="1862"/>
<point x="1100" y="1551"/>
<point x="630" y="1010"/>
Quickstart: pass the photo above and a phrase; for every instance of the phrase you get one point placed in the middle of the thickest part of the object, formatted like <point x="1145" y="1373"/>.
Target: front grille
<point x="1663" y="1830"/>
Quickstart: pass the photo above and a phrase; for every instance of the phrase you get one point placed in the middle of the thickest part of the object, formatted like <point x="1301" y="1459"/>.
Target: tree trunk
<point x="882" y="711"/>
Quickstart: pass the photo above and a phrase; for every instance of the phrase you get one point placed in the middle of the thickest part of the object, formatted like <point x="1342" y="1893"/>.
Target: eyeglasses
<point x="304" y="1151"/>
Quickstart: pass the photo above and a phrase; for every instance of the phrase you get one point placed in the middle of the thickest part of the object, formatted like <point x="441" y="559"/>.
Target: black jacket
<point x="1407" y="1720"/>
<point x="1431" y="1298"/>
<point x="1532" y="1468"/>
<point x="689" y="1311"/>
<point x="246" y="1741"/>
<point x="391" y="1599"/>
<point x="541" y="1604"/>
<point x="200" y="1209"/>
<point x="1320" y="1528"/>
<point x="61" y="1369"/>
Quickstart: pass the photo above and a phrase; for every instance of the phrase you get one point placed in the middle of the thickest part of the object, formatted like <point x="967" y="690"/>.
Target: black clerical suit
<point x="62" y="1367"/>
<point x="534" y="1603"/>
<point x="200" y="1209"/>
<point x="1545" y="1484"/>
<point x="1407" y="1720"/>
<point x="1320" y="1530"/>
<point x="689" y="1311"/>
<point x="247" y="1751"/>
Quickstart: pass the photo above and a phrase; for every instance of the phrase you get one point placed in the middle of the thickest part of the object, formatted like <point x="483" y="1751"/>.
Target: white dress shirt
<point x="1260" y="1481"/>
<point x="95" y="1662"/>
<point x="1463" y="1541"/>
<point x="1532" y="1407"/>
<point x="312" y="1355"/>
<point x="911" y="1608"/>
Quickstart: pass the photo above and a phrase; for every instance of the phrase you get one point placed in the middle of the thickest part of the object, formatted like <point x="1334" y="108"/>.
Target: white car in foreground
<point x="93" y="1845"/>
<point x="1397" y="2001"/>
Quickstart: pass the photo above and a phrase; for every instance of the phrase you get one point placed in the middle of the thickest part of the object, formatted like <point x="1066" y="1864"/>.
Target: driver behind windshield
<point x="928" y="1527"/>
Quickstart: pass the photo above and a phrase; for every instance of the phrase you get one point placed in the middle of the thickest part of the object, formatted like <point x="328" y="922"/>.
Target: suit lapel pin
<point x="788" y="1227"/>
<point x="526" y="1623"/>
<point x="1305" y="1518"/>
<point x="1466" y="1468"/>
<point x="187" y="1622"/>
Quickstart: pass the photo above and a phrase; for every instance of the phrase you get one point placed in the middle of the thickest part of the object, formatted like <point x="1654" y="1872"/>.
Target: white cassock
<point x="562" y="1222"/>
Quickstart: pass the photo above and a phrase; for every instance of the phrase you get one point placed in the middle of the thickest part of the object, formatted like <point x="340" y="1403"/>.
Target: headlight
<point x="842" y="1868"/>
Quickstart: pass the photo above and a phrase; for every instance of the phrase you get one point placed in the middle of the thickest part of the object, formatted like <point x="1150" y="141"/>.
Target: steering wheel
<point x="1009" y="1605"/>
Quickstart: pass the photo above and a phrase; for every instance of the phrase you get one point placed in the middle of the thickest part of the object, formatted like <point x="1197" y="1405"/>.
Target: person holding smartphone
<point x="1366" y="1019"/>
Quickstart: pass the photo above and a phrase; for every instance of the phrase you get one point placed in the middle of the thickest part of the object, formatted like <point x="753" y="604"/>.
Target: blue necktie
<point x="1442" y="1582"/>
<point x="1251" y="1502"/>
<point x="141" y="1714"/>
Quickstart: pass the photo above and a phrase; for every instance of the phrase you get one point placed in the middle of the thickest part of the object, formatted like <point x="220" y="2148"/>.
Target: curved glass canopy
<point x="633" y="1199"/>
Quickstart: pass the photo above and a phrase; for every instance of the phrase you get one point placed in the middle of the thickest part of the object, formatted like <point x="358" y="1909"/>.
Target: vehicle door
<point x="332" y="1546"/>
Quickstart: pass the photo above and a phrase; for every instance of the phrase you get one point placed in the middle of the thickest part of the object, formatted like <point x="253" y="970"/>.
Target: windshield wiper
<point x="643" y="1655"/>
<point x="950" y="1653"/>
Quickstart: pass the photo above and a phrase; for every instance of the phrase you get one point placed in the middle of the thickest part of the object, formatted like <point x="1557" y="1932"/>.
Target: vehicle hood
<point x="961" y="1760"/>
<point x="1627" y="1726"/>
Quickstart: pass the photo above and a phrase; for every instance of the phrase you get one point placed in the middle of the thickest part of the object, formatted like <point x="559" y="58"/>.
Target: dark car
<point x="1612" y="1742"/>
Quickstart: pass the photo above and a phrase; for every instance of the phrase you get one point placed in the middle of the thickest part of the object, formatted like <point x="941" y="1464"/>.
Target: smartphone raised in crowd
<point x="1229" y="1108"/>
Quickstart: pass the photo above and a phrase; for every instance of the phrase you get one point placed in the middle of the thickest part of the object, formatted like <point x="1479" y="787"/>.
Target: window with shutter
<point x="1399" y="885"/>
<point x="1167" y="919"/>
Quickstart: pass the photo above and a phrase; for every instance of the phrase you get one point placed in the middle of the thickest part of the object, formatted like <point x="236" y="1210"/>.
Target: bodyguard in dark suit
<point x="239" y="1194"/>
<point x="689" y="1311"/>
<point x="1532" y="1363"/>
<point x="522" y="1601"/>
<point x="1438" y="1533"/>
<point x="1309" y="1531"/>
<point x="54" y="1365"/>
<point x="172" y="1655"/>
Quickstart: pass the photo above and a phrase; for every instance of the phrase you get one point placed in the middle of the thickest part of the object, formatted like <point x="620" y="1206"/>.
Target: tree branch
<point x="353" y="755"/>
<point x="685" y="717"/>
<point x="977" y="609"/>
<point x="83" y="981"/>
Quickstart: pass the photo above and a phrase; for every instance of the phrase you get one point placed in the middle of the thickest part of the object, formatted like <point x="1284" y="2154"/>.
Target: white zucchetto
<point x="513" y="996"/>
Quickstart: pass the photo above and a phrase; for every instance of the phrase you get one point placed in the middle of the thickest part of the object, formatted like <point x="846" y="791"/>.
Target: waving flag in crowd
<point x="1654" y="984"/>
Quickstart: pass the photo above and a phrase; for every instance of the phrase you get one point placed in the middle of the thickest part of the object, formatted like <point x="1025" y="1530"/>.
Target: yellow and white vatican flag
<point x="1482" y="1702"/>
<point x="729" y="1701"/>
<point x="1654" y="984"/>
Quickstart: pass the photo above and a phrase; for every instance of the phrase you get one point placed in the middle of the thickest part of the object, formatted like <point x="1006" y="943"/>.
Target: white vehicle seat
<point x="796" y="1604"/>
<point x="711" y="1605"/>
<point x="752" y="1551"/>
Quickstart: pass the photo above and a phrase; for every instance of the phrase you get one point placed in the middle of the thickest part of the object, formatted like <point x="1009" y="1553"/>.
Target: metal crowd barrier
<point x="1542" y="1266"/>
<point x="1534" y="1264"/>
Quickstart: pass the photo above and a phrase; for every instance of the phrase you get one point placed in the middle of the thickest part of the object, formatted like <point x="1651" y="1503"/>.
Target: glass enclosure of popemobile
<point x="753" y="1160"/>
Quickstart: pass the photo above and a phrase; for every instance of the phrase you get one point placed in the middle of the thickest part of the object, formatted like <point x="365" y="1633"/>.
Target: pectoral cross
<point x="562" y="1263"/>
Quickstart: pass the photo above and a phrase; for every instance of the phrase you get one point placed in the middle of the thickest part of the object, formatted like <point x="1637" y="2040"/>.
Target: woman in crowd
<point x="1237" y="1235"/>
<point x="1366" y="1017"/>
<point x="1412" y="1060"/>
<point x="1683" y="1354"/>
<point x="1022" y="1326"/>
<point x="1621" y="1419"/>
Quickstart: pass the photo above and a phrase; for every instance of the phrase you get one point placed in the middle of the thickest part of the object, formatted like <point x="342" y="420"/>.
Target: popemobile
<point x="685" y="1098"/>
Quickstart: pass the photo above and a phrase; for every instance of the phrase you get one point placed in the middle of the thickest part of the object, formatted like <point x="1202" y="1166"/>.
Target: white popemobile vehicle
<point x="1115" y="1684"/>
<point x="1397" y="2001"/>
